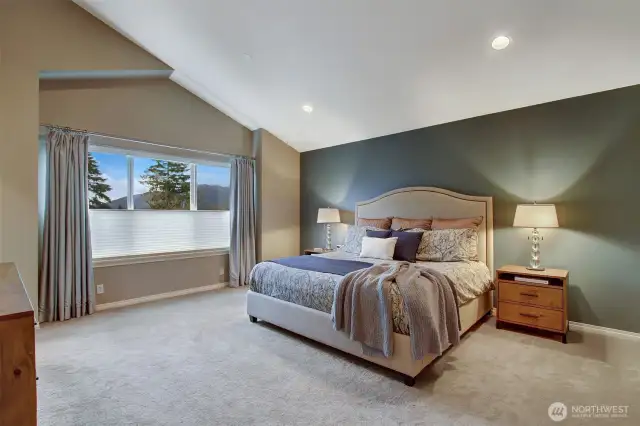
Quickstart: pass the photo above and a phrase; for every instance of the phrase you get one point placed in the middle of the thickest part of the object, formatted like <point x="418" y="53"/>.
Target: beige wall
<point x="38" y="35"/>
<point x="145" y="279"/>
<point x="278" y="169"/>
<point x="156" y="110"/>
<point x="57" y="35"/>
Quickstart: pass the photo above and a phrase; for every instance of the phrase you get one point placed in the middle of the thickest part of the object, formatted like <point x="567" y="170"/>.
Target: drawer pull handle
<point x="530" y="315"/>
<point x="528" y="294"/>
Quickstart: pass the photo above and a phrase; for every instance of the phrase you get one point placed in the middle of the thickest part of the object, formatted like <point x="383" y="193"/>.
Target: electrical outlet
<point x="221" y="271"/>
<point x="100" y="288"/>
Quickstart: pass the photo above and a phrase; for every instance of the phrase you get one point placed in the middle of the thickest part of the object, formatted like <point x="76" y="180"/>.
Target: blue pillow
<point x="407" y="245"/>
<point x="378" y="234"/>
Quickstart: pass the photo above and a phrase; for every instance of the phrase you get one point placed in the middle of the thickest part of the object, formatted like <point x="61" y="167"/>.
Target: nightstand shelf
<point x="534" y="306"/>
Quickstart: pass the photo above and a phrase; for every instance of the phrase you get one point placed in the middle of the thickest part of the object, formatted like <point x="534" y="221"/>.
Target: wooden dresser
<point x="541" y="307"/>
<point x="18" y="406"/>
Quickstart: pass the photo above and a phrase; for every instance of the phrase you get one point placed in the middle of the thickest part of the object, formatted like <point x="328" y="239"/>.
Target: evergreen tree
<point x="168" y="183"/>
<point x="98" y="187"/>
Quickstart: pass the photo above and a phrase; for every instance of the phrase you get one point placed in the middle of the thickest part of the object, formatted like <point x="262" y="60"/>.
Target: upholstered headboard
<point x="425" y="202"/>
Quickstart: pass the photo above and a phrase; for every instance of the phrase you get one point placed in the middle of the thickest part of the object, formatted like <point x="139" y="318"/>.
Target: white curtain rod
<point x="140" y="141"/>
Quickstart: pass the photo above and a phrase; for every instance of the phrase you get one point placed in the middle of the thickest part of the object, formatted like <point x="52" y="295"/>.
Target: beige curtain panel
<point x="242" y="250"/>
<point x="66" y="276"/>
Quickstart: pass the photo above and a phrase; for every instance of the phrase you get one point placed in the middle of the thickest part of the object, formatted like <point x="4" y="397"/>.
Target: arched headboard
<point x="424" y="202"/>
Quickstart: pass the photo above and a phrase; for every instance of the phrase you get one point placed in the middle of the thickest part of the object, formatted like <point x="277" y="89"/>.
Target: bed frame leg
<point x="409" y="381"/>
<point x="253" y="319"/>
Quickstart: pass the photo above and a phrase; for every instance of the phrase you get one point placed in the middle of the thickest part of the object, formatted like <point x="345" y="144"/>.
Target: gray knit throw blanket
<point x="362" y="308"/>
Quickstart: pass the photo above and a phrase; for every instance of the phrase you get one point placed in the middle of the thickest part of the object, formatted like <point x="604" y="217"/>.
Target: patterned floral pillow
<point x="447" y="245"/>
<point x="422" y="248"/>
<point x="353" y="241"/>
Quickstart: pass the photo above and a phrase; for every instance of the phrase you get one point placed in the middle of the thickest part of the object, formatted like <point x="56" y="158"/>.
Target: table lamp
<point x="535" y="216"/>
<point x="328" y="216"/>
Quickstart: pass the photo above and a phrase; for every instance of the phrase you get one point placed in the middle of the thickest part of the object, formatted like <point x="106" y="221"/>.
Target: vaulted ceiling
<point x="375" y="67"/>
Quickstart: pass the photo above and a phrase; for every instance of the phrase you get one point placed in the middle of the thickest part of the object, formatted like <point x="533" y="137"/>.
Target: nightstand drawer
<point x="531" y="315"/>
<point x="547" y="297"/>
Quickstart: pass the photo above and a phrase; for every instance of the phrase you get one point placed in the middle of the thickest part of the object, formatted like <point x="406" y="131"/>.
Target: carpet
<point x="197" y="360"/>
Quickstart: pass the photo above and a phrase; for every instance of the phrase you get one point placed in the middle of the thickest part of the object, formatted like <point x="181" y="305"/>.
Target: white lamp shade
<point x="535" y="216"/>
<point x="328" y="216"/>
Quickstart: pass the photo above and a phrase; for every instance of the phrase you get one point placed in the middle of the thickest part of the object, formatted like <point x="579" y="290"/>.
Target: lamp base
<point x="328" y="247"/>
<point x="534" y="264"/>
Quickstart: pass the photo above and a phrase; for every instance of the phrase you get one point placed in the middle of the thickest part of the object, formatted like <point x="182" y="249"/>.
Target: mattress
<point x="315" y="290"/>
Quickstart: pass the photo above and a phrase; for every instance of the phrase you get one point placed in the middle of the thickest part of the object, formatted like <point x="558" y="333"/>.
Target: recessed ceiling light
<point x="500" y="42"/>
<point x="307" y="108"/>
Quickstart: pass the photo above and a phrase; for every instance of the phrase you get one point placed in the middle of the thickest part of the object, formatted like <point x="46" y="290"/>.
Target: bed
<point x="300" y="300"/>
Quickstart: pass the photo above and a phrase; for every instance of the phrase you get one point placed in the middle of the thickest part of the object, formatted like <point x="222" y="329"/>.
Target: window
<point x="107" y="181"/>
<point x="161" y="184"/>
<point x="213" y="188"/>
<point x="144" y="205"/>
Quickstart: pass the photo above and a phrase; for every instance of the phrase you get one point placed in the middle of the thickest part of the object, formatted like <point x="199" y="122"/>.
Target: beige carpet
<point x="199" y="361"/>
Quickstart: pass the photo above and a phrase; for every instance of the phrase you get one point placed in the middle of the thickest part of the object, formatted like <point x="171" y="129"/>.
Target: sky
<point x="114" y="168"/>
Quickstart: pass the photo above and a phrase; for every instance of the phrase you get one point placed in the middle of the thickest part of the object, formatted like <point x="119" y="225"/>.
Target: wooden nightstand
<point x="535" y="306"/>
<point x="316" y="251"/>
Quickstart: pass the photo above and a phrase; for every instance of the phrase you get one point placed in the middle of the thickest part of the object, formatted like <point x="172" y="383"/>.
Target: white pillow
<point x="353" y="241"/>
<point x="378" y="248"/>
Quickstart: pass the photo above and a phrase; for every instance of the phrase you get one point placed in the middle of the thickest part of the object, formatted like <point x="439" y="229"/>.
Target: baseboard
<point x="161" y="296"/>
<point x="595" y="329"/>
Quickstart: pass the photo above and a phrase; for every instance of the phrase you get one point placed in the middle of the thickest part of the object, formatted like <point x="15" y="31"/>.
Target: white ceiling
<point x="376" y="67"/>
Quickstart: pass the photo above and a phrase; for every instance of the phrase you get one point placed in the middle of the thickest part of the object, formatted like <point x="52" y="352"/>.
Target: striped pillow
<point x="468" y="222"/>
<point x="382" y="223"/>
<point x="402" y="223"/>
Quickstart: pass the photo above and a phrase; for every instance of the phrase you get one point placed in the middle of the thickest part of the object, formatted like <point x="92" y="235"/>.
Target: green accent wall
<point x="583" y="154"/>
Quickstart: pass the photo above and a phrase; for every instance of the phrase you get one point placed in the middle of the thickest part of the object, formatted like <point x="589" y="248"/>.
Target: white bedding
<point x="470" y="279"/>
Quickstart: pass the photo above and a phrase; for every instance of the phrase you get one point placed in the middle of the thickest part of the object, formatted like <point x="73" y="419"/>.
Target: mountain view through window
<point x="157" y="184"/>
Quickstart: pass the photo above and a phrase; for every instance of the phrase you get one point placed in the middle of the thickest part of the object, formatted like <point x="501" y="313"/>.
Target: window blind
<point x="117" y="233"/>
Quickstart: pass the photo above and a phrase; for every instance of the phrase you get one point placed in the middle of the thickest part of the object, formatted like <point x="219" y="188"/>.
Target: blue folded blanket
<point x="322" y="264"/>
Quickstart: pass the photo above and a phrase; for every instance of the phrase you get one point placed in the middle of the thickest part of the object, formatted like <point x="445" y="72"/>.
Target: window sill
<point x="158" y="257"/>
